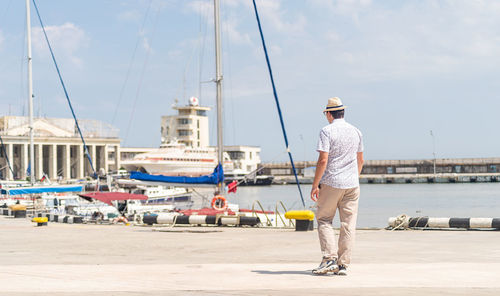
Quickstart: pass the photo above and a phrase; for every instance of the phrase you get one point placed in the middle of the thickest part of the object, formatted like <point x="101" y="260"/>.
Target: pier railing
<point x="279" y="216"/>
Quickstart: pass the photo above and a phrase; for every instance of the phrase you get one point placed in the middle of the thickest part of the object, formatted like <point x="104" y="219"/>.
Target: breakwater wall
<point x="449" y="170"/>
<point x="405" y="179"/>
<point x="429" y="178"/>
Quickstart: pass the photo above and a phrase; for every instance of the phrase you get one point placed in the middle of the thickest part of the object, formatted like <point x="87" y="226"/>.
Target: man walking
<point x="336" y="186"/>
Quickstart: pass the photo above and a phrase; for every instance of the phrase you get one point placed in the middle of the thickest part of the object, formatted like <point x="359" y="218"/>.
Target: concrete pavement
<point x="118" y="260"/>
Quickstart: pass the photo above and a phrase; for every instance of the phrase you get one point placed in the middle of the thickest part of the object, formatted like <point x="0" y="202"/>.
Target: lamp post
<point x="434" y="151"/>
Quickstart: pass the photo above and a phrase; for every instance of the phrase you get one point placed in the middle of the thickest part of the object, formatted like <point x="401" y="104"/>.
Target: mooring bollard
<point x="18" y="211"/>
<point x="40" y="221"/>
<point x="304" y="220"/>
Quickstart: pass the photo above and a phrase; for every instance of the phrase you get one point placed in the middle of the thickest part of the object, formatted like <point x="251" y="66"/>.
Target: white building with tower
<point x="189" y="126"/>
<point x="185" y="148"/>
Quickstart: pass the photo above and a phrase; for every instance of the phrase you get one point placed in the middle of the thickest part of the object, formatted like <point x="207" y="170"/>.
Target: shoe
<point x="326" y="266"/>
<point x="342" y="270"/>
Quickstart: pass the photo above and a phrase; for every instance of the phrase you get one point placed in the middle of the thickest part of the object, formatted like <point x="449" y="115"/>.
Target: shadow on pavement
<point x="305" y="272"/>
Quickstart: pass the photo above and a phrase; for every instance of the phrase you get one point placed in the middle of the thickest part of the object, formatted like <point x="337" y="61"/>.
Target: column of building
<point x="53" y="162"/>
<point x="93" y="157"/>
<point x="117" y="157"/>
<point x="25" y="161"/>
<point x="10" y="156"/>
<point x="80" y="163"/>
<point x="67" y="162"/>
<point x="39" y="162"/>
<point x="105" y="158"/>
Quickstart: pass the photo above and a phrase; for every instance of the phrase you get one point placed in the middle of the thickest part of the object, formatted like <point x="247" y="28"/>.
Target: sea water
<point x="378" y="202"/>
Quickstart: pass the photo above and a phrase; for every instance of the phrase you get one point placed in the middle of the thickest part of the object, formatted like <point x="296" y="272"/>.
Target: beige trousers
<point x="346" y="201"/>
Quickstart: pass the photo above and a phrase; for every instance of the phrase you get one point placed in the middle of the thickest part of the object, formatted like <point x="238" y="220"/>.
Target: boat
<point x="248" y="179"/>
<point x="158" y="195"/>
<point x="176" y="159"/>
<point x="44" y="198"/>
<point x="123" y="204"/>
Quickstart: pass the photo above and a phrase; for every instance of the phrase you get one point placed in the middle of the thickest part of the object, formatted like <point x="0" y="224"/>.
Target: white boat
<point x="176" y="159"/>
<point x="74" y="205"/>
<point x="163" y="195"/>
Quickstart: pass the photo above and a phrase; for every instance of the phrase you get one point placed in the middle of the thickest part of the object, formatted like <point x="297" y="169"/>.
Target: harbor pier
<point x="459" y="170"/>
<point x="79" y="259"/>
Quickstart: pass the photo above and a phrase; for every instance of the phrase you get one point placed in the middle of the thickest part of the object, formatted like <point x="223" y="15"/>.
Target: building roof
<point x="191" y="108"/>
<point x="56" y="127"/>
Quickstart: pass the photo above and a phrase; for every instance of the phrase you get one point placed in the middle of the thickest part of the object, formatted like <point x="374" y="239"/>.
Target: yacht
<point x="176" y="159"/>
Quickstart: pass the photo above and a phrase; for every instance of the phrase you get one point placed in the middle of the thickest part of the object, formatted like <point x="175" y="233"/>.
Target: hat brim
<point x="334" y="108"/>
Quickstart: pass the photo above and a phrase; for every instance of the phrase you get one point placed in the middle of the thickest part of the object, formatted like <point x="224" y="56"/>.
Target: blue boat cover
<point x="214" y="178"/>
<point x="42" y="189"/>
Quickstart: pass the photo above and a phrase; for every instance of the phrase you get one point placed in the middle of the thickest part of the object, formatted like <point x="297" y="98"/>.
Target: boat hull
<point x="259" y="181"/>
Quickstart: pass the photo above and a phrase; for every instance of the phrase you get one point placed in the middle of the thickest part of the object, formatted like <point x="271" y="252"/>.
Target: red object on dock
<point x="207" y="212"/>
<point x="231" y="187"/>
<point x="108" y="197"/>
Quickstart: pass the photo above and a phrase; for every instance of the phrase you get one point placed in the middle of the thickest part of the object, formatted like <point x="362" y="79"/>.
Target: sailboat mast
<point x="30" y="93"/>
<point x="218" y="83"/>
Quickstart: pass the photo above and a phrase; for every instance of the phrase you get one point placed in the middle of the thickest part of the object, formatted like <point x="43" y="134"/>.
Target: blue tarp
<point x="214" y="178"/>
<point x="41" y="189"/>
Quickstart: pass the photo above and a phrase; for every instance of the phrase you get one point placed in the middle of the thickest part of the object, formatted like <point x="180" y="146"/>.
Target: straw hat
<point x="334" y="104"/>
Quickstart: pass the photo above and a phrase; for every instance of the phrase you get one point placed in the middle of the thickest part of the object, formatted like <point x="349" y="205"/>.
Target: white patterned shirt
<point x="342" y="141"/>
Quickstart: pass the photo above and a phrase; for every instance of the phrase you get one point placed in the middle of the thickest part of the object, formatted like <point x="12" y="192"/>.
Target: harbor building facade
<point x="58" y="148"/>
<point x="189" y="126"/>
<point x="245" y="158"/>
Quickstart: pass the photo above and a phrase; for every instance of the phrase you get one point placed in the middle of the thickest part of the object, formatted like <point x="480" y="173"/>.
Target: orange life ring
<point x="219" y="203"/>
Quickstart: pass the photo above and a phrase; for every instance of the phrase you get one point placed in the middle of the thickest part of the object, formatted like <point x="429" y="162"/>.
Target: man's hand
<point x="314" y="194"/>
<point x="320" y="170"/>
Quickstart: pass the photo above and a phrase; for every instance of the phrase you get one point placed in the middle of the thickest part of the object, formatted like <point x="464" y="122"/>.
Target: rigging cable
<point x="141" y="33"/>
<point x="277" y="102"/>
<point x="141" y="78"/>
<point x="6" y="156"/>
<point x="229" y="84"/>
<point x="6" y="9"/>
<point x="22" y="87"/>
<point x="86" y="150"/>
<point x="202" y="40"/>
<point x="3" y="21"/>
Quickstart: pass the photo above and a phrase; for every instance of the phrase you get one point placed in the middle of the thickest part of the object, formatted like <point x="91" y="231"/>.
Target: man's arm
<point x="361" y="161"/>
<point x="320" y="170"/>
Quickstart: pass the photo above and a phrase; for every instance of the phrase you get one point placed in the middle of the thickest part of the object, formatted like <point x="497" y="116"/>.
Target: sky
<point x="402" y="68"/>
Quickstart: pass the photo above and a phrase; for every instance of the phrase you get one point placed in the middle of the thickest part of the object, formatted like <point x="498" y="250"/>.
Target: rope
<point x="175" y="221"/>
<point x="403" y="218"/>
<point x="400" y="221"/>
<point x="277" y="102"/>
<point x="258" y="169"/>
<point x="426" y="224"/>
<point x="86" y="150"/>
<point x="204" y="199"/>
